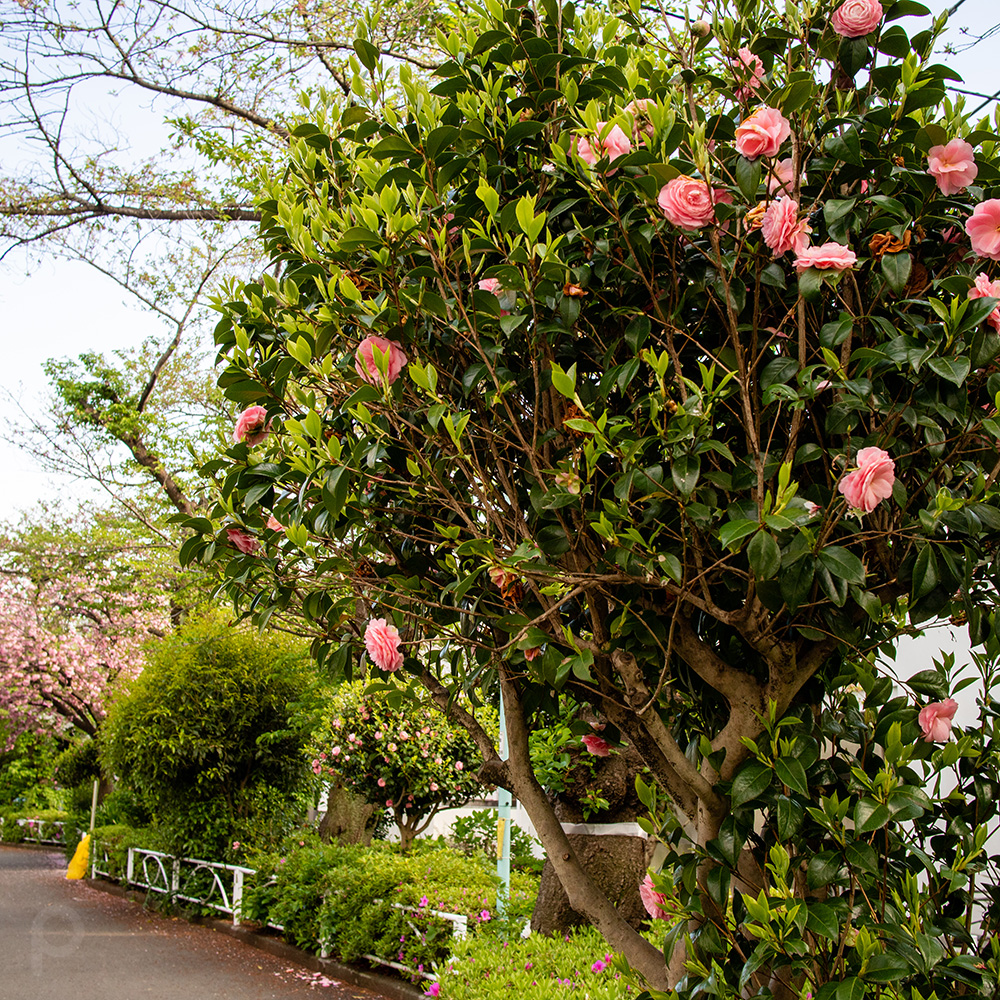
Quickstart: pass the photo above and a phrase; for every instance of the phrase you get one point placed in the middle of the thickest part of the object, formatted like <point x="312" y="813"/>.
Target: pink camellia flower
<point x="762" y="133"/>
<point x="871" y="482"/>
<point x="611" y="143"/>
<point x="782" y="176"/>
<point x="687" y="203"/>
<point x="388" y="803"/>
<point x="506" y="297"/>
<point x="749" y="71"/>
<point x="857" y="18"/>
<point x="827" y="257"/>
<point x="984" y="288"/>
<point x="653" y="900"/>
<point x="251" y="426"/>
<point x="434" y="786"/>
<point x="381" y="782"/>
<point x="936" y="720"/>
<point x="953" y="166"/>
<point x="364" y="359"/>
<point x="274" y="524"/>
<point x="781" y="228"/>
<point x="459" y="766"/>
<point x="983" y="227"/>
<point x="247" y="544"/>
<point x="596" y="745"/>
<point x="382" y="643"/>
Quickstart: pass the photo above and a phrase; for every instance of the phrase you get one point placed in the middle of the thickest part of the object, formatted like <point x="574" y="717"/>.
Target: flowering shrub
<point x="405" y="759"/>
<point x="705" y="388"/>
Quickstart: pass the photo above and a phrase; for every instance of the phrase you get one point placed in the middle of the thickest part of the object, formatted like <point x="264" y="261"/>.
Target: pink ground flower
<point x="827" y="257"/>
<point x="611" y="143"/>
<point x="781" y="228"/>
<point x="762" y="133"/>
<point x="983" y="227"/>
<point x="251" y="426"/>
<point x="953" y="166"/>
<point x="598" y="966"/>
<point x="652" y="900"/>
<point x="857" y="18"/>
<point x="871" y="482"/>
<point x="936" y="720"/>
<point x="749" y="71"/>
<point x="596" y="745"/>
<point x="382" y="643"/>
<point x="687" y="203"/>
<point x="433" y="990"/>
<point x="984" y="288"/>
<point x="247" y="544"/>
<point x="364" y="359"/>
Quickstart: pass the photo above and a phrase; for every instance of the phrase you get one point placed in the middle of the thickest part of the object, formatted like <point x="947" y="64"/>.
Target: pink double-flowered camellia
<point x="251" y="425"/>
<point x="247" y="544"/>
<point x="857" y="18"/>
<point x="364" y="359"/>
<point x="826" y="257"/>
<point x="611" y="143"/>
<point x="749" y="71"/>
<point x="983" y="227"/>
<point x="382" y="643"/>
<point x="871" y="482"/>
<point x="952" y="166"/>
<point x="984" y="288"/>
<point x="596" y="745"/>
<point x="652" y="900"/>
<point x="781" y="228"/>
<point x="936" y="720"/>
<point x="687" y="203"/>
<point x="762" y="133"/>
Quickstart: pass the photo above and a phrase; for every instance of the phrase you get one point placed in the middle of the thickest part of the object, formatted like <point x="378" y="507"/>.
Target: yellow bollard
<point x="81" y="857"/>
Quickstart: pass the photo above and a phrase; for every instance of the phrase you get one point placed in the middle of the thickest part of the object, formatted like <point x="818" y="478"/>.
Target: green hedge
<point x="534" y="968"/>
<point x="117" y="838"/>
<point x="341" y="899"/>
<point x="11" y="832"/>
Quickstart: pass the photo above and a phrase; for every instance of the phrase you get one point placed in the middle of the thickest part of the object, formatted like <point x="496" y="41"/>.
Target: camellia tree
<point x="655" y="363"/>
<point x="404" y="757"/>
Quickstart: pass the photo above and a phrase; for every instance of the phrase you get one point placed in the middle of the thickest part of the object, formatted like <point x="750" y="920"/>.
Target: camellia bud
<point x="701" y="28"/>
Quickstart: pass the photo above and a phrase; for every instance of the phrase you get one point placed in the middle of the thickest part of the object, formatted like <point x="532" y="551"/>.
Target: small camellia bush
<point x="400" y="755"/>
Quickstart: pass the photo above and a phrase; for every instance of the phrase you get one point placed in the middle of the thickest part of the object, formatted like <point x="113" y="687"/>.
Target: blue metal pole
<point x="503" y="824"/>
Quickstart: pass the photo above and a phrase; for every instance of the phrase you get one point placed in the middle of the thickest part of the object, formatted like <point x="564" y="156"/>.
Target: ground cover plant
<point x="655" y="362"/>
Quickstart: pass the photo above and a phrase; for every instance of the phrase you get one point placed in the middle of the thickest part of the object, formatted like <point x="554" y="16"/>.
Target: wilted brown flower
<point x="882" y="243"/>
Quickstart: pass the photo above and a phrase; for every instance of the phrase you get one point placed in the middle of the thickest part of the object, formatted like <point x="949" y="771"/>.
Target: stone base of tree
<point x="348" y="817"/>
<point x="616" y="863"/>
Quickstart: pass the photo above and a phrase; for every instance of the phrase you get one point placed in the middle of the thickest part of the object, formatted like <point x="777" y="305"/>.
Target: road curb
<point x="387" y="986"/>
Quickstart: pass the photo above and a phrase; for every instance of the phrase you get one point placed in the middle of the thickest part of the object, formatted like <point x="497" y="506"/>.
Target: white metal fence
<point x="220" y="887"/>
<point x="38" y="831"/>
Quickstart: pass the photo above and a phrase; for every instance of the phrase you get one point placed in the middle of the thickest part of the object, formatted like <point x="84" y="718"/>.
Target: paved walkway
<point x="64" y="940"/>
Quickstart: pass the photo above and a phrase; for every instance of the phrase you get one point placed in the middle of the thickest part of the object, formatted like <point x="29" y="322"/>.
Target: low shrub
<point x="349" y="901"/>
<point x="117" y="838"/>
<point x="38" y="825"/>
<point x="534" y="968"/>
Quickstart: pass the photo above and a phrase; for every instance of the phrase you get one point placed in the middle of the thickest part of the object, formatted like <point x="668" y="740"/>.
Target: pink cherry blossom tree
<point x="63" y="644"/>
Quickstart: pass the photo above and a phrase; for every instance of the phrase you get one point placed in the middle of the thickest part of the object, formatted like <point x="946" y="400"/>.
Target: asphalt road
<point x="63" y="940"/>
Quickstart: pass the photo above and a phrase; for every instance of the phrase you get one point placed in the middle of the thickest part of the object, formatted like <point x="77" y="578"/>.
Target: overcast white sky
<point x="61" y="309"/>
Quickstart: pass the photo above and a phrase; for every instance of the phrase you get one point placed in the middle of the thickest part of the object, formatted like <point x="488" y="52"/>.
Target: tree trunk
<point x="348" y="817"/>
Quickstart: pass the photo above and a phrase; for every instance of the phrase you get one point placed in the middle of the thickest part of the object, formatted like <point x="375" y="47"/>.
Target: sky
<point x="59" y="309"/>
